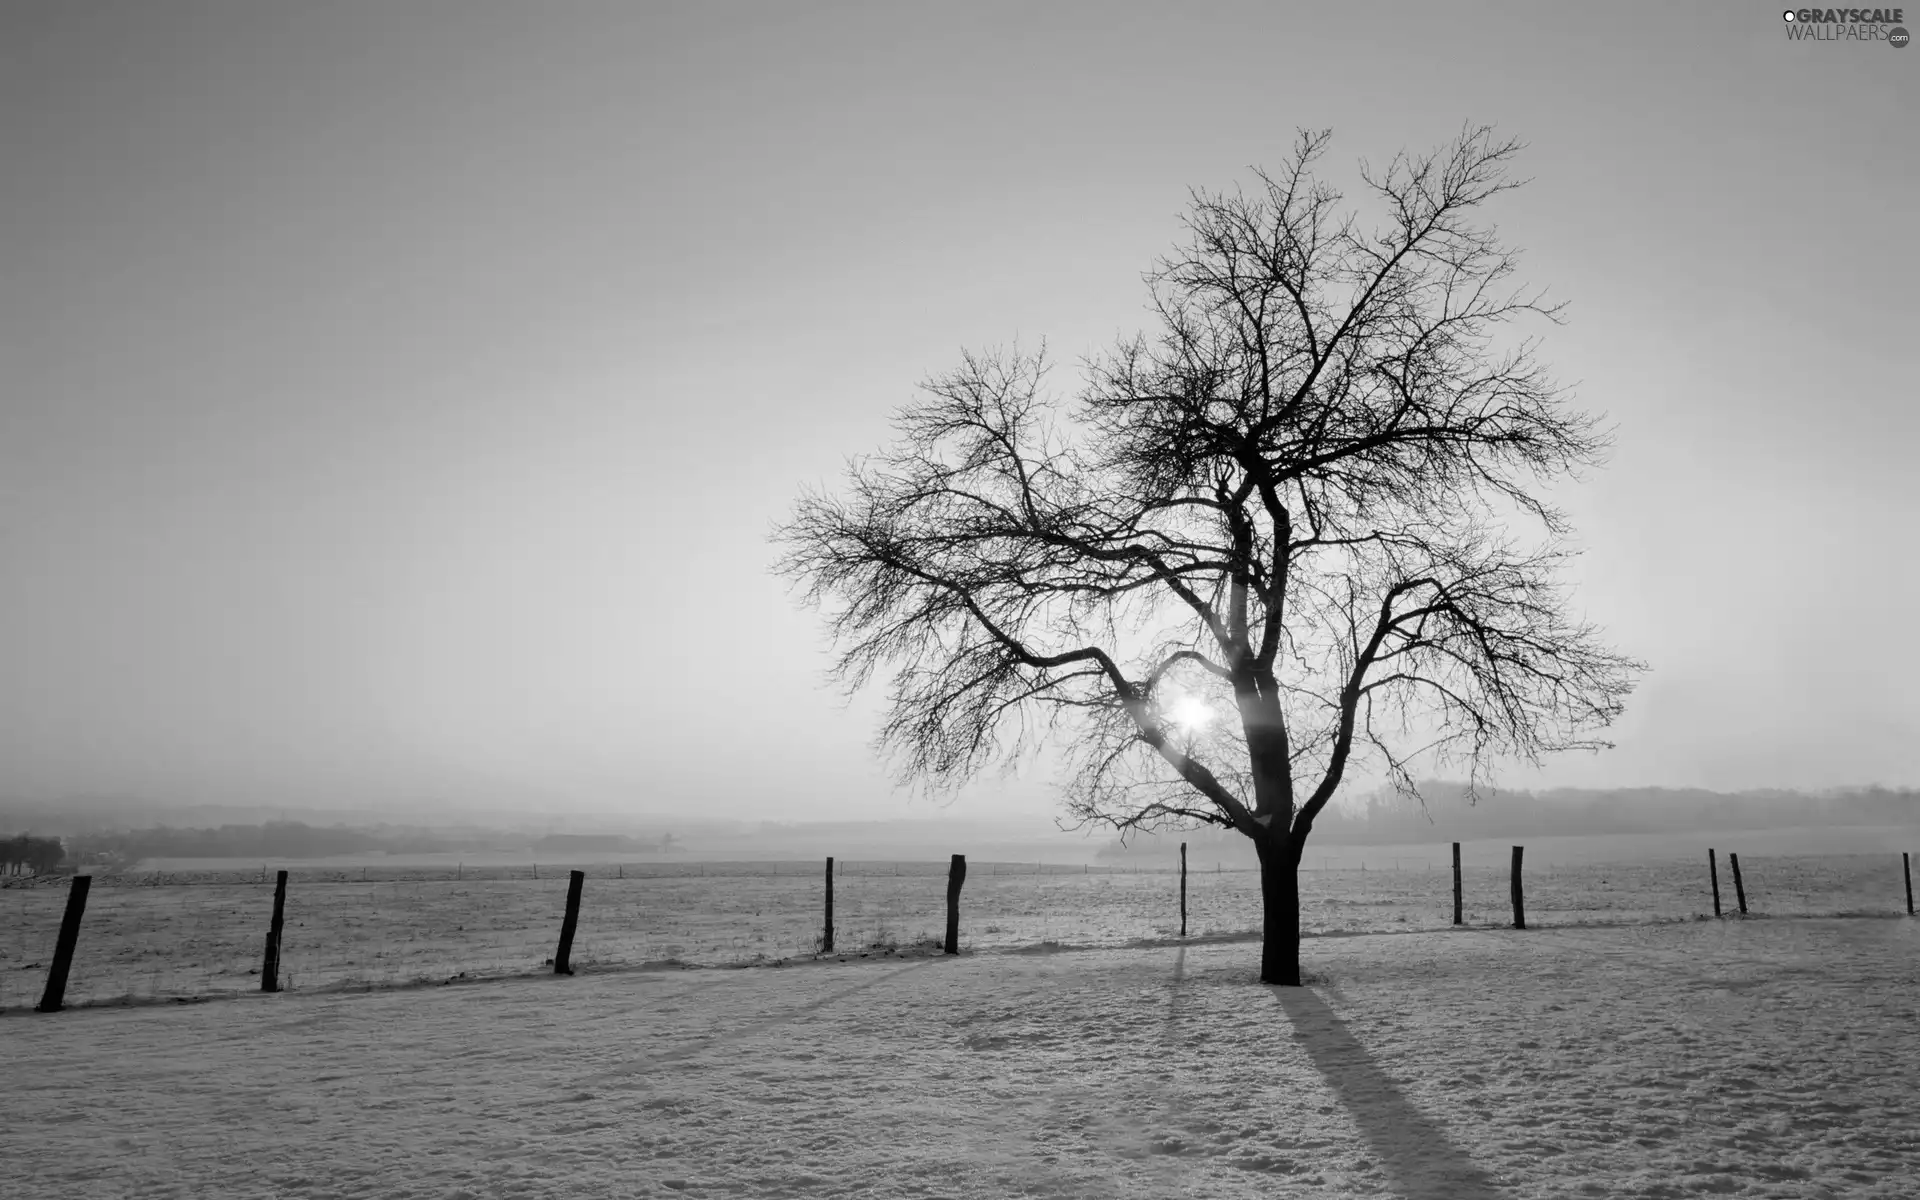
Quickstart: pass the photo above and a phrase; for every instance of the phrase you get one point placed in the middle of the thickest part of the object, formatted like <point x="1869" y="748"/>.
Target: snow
<point x="1760" y="1057"/>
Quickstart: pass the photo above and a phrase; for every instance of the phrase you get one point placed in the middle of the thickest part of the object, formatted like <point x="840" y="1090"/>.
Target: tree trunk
<point x="1280" y="910"/>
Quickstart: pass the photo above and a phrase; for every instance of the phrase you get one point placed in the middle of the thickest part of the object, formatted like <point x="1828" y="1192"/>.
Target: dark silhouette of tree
<point x="1270" y="544"/>
<point x="24" y="853"/>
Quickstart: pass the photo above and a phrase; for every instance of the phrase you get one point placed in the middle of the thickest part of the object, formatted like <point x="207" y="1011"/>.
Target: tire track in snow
<point x="638" y="1065"/>
<point x="330" y="1013"/>
<point x="1114" y="1121"/>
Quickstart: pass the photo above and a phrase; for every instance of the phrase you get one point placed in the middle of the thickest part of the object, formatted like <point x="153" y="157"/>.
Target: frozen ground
<point x="1766" y="1057"/>
<point x="201" y="934"/>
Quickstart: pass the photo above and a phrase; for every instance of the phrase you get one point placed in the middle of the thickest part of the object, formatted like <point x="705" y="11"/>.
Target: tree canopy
<point x="1297" y="528"/>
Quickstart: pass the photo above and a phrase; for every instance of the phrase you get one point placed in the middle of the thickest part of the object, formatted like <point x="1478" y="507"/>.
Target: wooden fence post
<point x="56" y="992"/>
<point x="1713" y="877"/>
<point x="270" y="964"/>
<point x="1183" y="889"/>
<point x="826" y="939"/>
<point x="1519" y="906"/>
<point x="956" y="875"/>
<point x="1739" y="888"/>
<point x="1456" y="885"/>
<point x="1906" y="869"/>
<point x="560" y="964"/>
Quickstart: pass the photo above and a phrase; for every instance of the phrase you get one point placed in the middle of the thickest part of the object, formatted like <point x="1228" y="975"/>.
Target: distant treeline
<point x="296" y="840"/>
<point x="1446" y="816"/>
<point x="23" y="854"/>
<point x="604" y="843"/>
<point x="275" y="839"/>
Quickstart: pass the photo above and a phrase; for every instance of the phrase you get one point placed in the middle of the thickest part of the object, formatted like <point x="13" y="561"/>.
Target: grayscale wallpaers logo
<point x="1847" y="25"/>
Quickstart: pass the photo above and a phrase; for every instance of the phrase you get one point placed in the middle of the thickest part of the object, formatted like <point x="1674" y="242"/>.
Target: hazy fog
<point x="397" y="396"/>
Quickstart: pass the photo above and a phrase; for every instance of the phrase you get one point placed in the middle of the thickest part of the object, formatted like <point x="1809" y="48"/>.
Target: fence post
<point x="1519" y="906"/>
<point x="1456" y="884"/>
<point x="560" y="964"/>
<point x="1713" y="876"/>
<point x="63" y="949"/>
<point x="826" y="939"/>
<point x="956" y="875"/>
<point x="1739" y="888"/>
<point x="1183" y="889"/>
<point x="1906" y="869"/>
<point x="270" y="964"/>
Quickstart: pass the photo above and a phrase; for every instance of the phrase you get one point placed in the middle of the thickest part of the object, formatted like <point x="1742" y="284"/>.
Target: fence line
<point x="1010" y="921"/>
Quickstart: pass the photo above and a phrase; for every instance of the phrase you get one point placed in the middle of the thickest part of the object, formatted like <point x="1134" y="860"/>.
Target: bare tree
<point x="24" y="853"/>
<point x="1269" y="544"/>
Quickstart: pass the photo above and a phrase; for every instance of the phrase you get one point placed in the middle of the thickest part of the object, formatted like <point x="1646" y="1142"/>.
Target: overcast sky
<point x="398" y="396"/>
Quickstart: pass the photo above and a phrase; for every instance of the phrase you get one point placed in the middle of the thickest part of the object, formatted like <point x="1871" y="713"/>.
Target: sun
<point x="1190" y="713"/>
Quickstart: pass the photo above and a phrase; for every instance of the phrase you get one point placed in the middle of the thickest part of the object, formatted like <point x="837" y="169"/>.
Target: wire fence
<point x="174" y="936"/>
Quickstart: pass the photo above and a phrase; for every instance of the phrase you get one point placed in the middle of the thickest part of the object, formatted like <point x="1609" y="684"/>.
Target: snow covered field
<point x="143" y="942"/>
<point x="1763" y="1057"/>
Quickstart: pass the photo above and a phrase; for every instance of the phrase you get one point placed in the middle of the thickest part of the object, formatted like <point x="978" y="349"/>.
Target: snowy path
<point x="1766" y="1058"/>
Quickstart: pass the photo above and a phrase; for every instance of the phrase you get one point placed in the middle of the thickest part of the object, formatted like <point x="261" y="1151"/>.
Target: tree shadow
<point x="1177" y="996"/>
<point x="1416" y="1153"/>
